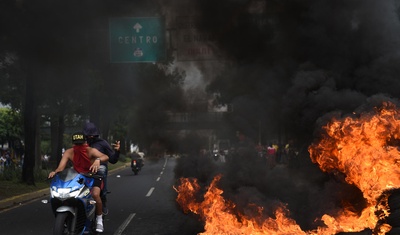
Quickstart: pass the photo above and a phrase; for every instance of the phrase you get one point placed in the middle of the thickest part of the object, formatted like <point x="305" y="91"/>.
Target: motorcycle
<point x="72" y="203"/>
<point x="136" y="165"/>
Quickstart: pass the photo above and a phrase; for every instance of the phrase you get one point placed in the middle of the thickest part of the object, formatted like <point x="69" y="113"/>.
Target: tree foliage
<point x="54" y="69"/>
<point x="144" y="98"/>
<point x="10" y="127"/>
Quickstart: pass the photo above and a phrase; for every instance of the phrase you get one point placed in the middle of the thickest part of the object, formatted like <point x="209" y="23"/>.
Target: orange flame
<point x="359" y="147"/>
<point x="221" y="218"/>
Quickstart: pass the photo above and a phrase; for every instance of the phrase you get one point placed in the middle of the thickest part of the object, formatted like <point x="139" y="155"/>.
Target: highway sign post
<point x="193" y="44"/>
<point x="137" y="39"/>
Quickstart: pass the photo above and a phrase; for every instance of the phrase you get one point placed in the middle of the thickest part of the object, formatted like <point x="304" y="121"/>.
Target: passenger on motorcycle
<point x="94" y="141"/>
<point x="85" y="159"/>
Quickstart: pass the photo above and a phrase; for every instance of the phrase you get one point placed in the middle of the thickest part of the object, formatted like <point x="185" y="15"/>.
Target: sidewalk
<point x="11" y="202"/>
<point x="23" y="198"/>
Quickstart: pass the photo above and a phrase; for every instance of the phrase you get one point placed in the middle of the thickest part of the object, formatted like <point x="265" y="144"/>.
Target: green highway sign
<point x="136" y="39"/>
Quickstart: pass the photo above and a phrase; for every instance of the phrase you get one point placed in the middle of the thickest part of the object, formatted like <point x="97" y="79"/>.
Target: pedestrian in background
<point x="2" y="163"/>
<point x="271" y="156"/>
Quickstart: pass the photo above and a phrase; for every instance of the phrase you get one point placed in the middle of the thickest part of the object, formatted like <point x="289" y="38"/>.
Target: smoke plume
<point x="293" y="65"/>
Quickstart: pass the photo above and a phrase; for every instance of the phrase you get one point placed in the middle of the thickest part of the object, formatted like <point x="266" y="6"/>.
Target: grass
<point x="12" y="186"/>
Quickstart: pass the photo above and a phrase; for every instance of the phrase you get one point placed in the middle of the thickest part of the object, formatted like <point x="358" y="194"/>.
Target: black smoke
<point x="292" y="66"/>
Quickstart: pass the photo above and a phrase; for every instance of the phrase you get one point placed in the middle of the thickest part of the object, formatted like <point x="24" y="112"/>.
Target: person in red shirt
<point x="85" y="159"/>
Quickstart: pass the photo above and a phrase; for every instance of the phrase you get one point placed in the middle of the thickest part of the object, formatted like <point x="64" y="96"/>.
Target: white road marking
<point x="124" y="224"/>
<point x="162" y="172"/>
<point x="150" y="192"/>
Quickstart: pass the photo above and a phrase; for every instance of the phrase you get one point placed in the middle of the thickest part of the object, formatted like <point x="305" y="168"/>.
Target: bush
<point x="10" y="172"/>
<point x="122" y="158"/>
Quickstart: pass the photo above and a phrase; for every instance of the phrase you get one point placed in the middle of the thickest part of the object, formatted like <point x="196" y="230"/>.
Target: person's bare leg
<point x="97" y="198"/>
<point x="99" y="209"/>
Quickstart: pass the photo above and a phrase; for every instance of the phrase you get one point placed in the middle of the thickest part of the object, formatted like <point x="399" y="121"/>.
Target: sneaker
<point x="99" y="228"/>
<point x="105" y="210"/>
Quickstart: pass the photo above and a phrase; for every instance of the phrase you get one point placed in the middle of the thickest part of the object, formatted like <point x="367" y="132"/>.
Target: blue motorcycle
<point x="72" y="203"/>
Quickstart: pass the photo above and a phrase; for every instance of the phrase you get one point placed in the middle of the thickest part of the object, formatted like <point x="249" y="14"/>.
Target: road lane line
<point x="158" y="179"/>
<point x="124" y="224"/>
<point x="165" y="163"/>
<point x="150" y="192"/>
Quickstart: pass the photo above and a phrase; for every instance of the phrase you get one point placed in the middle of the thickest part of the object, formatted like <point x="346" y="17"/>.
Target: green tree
<point x="61" y="75"/>
<point x="41" y="69"/>
<point x="10" y="129"/>
<point x="157" y="92"/>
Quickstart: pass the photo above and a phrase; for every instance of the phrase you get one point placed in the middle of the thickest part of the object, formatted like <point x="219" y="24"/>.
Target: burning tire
<point x="394" y="218"/>
<point x="394" y="231"/>
<point x="394" y="200"/>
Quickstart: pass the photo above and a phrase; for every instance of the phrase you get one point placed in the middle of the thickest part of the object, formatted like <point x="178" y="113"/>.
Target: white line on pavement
<point x="165" y="163"/>
<point x="158" y="179"/>
<point x="150" y="192"/>
<point x="124" y="224"/>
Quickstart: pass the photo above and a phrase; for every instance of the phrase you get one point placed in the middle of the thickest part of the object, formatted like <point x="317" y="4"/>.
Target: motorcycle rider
<point x="94" y="141"/>
<point x="85" y="159"/>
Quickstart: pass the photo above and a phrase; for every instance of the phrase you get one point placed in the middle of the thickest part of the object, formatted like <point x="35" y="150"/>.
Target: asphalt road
<point x="138" y="204"/>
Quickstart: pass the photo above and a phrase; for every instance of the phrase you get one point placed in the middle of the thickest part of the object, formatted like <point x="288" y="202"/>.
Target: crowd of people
<point x="272" y="153"/>
<point x="5" y="160"/>
<point x="276" y="154"/>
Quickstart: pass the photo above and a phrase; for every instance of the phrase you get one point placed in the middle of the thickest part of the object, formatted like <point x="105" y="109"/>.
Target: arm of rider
<point x="116" y="145"/>
<point x="63" y="163"/>
<point x="97" y="157"/>
<point x="114" y="155"/>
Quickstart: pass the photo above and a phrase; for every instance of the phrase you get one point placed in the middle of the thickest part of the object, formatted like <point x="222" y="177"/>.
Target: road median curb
<point x="20" y="199"/>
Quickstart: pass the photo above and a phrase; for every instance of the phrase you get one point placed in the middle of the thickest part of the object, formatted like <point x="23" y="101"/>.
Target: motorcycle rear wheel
<point x="63" y="224"/>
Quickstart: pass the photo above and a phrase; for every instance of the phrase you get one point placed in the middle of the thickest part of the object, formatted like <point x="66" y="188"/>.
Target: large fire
<point x="361" y="147"/>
